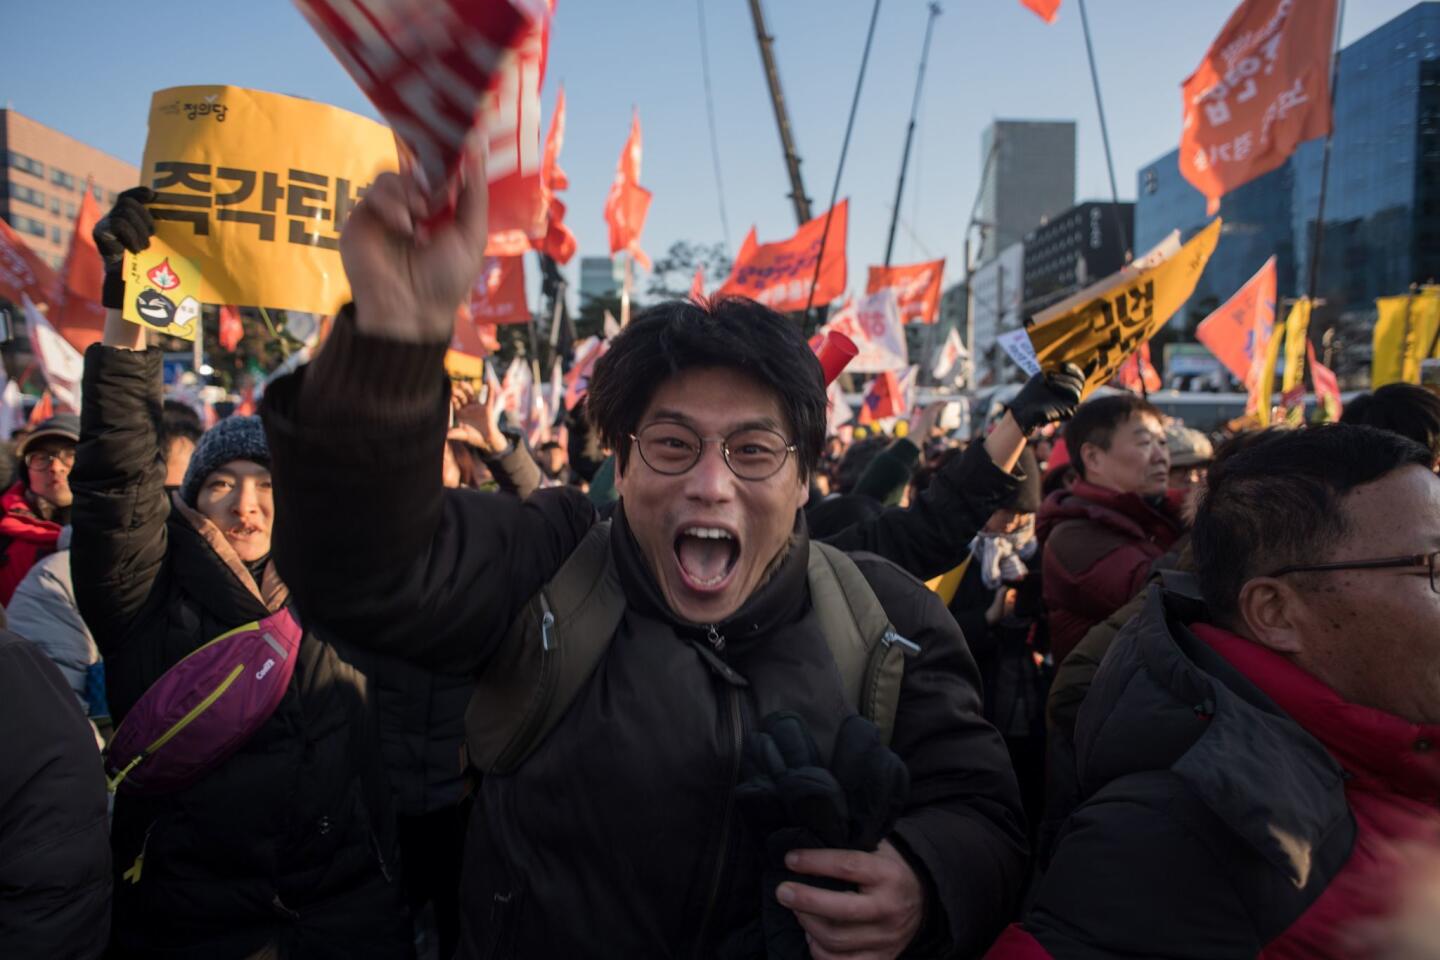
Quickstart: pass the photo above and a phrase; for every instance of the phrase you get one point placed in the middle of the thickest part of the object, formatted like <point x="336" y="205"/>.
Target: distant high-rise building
<point x="1073" y="249"/>
<point x="44" y="179"/>
<point x="1030" y="178"/>
<point x="996" y="294"/>
<point x="599" y="277"/>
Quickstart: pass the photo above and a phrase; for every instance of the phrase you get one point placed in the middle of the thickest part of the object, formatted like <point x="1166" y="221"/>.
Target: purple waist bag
<point x="204" y="708"/>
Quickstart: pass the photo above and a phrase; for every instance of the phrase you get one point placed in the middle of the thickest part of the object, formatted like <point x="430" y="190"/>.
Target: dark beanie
<point x="234" y="438"/>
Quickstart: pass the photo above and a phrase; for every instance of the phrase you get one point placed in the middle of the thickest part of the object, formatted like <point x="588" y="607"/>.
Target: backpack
<point x="562" y="633"/>
<point x="203" y="708"/>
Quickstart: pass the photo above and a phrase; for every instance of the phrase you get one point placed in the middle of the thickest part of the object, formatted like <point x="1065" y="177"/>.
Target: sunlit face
<point x="709" y="537"/>
<point x="48" y="463"/>
<point x="1186" y="478"/>
<point x="1137" y="461"/>
<point x="236" y="498"/>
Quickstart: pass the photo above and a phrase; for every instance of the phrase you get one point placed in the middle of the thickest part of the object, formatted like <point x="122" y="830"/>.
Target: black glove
<point x="1048" y="397"/>
<point x="128" y="226"/>
<point x="790" y="801"/>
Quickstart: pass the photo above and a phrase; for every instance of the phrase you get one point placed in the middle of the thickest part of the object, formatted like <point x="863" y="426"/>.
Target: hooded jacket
<point x="618" y="836"/>
<point x="283" y="845"/>
<point x="25" y="538"/>
<point x="1098" y="548"/>
<point x="1237" y="806"/>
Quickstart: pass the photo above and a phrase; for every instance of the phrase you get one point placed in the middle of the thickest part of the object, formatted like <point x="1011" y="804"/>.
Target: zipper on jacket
<point x="908" y="647"/>
<point x="737" y="742"/>
<point x="715" y="637"/>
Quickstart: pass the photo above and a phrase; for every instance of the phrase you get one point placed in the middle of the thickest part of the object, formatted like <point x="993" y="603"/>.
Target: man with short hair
<point x="1101" y="535"/>
<point x="699" y="616"/>
<point x="1260" y="768"/>
<point x="33" y="511"/>
<point x="1405" y="408"/>
<point x="1190" y="455"/>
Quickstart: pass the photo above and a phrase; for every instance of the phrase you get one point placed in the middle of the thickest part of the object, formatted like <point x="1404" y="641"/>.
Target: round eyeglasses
<point x="42" y="461"/>
<point x="673" y="448"/>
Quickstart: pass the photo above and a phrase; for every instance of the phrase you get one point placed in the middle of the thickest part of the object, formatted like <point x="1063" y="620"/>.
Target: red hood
<point x="19" y="522"/>
<point x="1127" y="513"/>
<point x="1388" y="751"/>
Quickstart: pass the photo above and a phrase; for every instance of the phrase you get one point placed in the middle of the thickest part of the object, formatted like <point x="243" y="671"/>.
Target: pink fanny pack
<point x="204" y="708"/>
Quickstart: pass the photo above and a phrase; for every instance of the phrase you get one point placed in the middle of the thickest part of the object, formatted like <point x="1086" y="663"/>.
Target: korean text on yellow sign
<point x="254" y="187"/>
<point x="1098" y="333"/>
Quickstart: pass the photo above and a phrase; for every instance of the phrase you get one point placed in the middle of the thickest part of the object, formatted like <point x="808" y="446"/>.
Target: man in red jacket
<point x="38" y="505"/>
<point x="1262" y="771"/>
<point x="1102" y="534"/>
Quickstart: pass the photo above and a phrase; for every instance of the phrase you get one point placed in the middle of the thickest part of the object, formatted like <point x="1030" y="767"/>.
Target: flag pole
<point x="910" y="131"/>
<point x="844" y="148"/>
<point x="1319" y="237"/>
<point x="625" y="293"/>
<point x="1105" y="136"/>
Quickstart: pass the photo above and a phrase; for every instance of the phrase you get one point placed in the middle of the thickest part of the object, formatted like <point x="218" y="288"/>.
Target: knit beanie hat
<point x="234" y="438"/>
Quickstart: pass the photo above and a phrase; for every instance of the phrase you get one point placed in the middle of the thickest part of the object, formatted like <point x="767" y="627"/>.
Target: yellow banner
<point x="1264" y="398"/>
<point x="253" y="188"/>
<point x="1099" y="333"/>
<point x="1388" y="353"/>
<point x="1424" y="319"/>
<point x="1297" y="329"/>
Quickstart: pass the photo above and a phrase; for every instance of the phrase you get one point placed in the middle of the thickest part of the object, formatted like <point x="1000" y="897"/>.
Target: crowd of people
<point x="697" y="678"/>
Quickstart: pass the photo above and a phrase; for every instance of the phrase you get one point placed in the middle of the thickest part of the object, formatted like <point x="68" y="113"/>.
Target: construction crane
<point x="782" y="117"/>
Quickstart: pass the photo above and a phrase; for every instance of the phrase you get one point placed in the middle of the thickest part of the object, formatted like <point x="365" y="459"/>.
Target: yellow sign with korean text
<point x="254" y="187"/>
<point x="1097" y="332"/>
<point x="162" y="290"/>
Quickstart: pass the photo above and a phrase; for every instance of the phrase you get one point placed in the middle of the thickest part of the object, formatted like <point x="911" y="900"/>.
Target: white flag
<point x="873" y="323"/>
<point x="515" y="392"/>
<point x="952" y="354"/>
<point x="840" y="412"/>
<point x="908" y="382"/>
<point x="61" y="363"/>
<point x="612" y="326"/>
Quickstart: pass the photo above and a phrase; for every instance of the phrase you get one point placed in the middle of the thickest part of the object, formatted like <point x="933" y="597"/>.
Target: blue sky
<point x="88" y="68"/>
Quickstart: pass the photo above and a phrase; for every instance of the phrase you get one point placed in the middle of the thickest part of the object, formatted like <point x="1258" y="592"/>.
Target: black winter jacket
<point x="617" y="837"/>
<point x="281" y="846"/>
<point x="54" y="851"/>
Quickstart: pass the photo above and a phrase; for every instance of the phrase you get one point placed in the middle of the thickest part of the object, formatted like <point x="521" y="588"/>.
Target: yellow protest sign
<point x="1264" y="394"/>
<point x="1388" y="344"/>
<point x="162" y="290"/>
<point x="1097" y="333"/>
<point x="254" y="187"/>
<point x="1420" y="335"/>
<point x="1297" y="329"/>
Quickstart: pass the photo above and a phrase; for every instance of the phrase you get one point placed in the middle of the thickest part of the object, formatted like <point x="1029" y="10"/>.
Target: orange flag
<point x="232" y="330"/>
<point x="498" y="296"/>
<point x="1262" y="89"/>
<point x="1137" y="374"/>
<point x="1044" y="9"/>
<point x="884" y="399"/>
<point x="1238" y="331"/>
<point x="80" y="318"/>
<point x="558" y="242"/>
<point x="628" y="203"/>
<point x="916" y="286"/>
<point x="697" y="285"/>
<point x="779" y="274"/>
<point x="23" y="272"/>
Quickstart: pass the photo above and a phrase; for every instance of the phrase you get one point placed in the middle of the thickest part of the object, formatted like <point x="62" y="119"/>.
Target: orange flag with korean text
<point x="1262" y="89"/>
<point x="780" y="274"/>
<point x="1239" y="330"/>
<point x="23" y="272"/>
<point x="628" y="203"/>
<point x="916" y="286"/>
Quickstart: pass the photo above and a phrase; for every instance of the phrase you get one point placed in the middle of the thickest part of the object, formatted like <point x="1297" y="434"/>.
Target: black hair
<point x="1402" y="408"/>
<point x="1095" y="422"/>
<point x="178" y="420"/>
<point x="727" y="332"/>
<point x="855" y="459"/>
<point x="1273" y="498"/>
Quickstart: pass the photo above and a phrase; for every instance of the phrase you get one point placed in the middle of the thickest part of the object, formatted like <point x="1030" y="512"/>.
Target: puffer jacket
<point x="25" y="537"/>
<point x="1236" y="806"/>
<point x="281" y="849"/>
<point x="618" y="836"/>
<point x="1098" y="547"/>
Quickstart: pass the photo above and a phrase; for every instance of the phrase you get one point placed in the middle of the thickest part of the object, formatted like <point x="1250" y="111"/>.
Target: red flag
<point x="23" y="272"/>
<point x="628" y="203"/>
<point x="43" y="410"/>
<point x="697" y="285"/>
<point x="1262" y="89"/>
<point x="232" y="331"/>
<point x="779" y="274"/>
<point x="558" y="242"/>
<point x="80" y="318"/>
<point x="1327" y="385"/>
<point x="498" y="296"/>
<point x="883" y="399"/>
<point x="1137" y="373"/>
<point x="247" y="402"/>
<point x="434" y="70"/>
<point x="1044" y="9"/>
<point x="1238" y="331"/>
<point x="916" y="286"/>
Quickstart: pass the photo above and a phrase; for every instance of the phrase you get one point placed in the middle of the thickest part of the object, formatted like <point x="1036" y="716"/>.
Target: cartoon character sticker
<point x="162" y="291"/>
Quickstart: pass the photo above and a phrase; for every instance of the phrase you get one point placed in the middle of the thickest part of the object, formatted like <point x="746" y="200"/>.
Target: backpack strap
<point x="866" y="648"/>
<point x="550" y="652"/>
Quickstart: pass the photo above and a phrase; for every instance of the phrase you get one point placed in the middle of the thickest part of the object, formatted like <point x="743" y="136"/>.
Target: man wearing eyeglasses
<point x="33" y="511"/>
<point x="622" y="831"/>
<point x="1263" y="770"/>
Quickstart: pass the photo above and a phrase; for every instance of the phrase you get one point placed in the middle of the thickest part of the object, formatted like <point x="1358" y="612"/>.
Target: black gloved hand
<point x="128" y="226"/>
<point x="791" y="801"/>
<point x="1048" y="397"/>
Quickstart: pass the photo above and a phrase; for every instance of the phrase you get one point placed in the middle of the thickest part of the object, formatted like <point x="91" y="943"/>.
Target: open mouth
<point x="243" y="532"/>
<point x="706" y="556"/>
